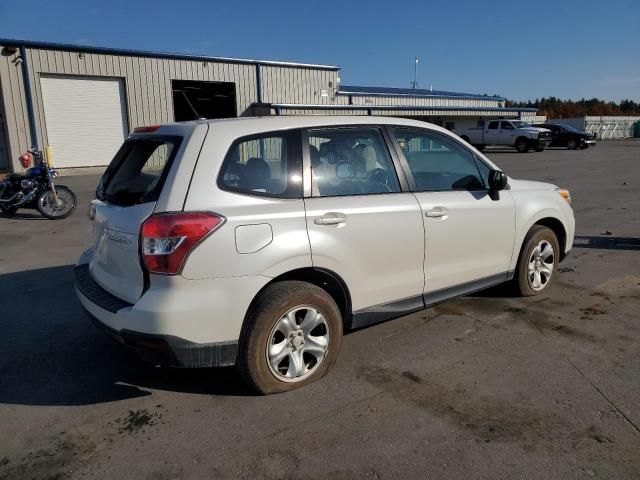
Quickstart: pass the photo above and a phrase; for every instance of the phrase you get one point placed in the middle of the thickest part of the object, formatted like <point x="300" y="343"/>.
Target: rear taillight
<point x="168" y="238"/>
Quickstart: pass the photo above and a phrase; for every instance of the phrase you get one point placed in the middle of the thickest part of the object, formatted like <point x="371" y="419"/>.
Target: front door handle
<point x="437" y="212"/>
<point x="330" y="218"/>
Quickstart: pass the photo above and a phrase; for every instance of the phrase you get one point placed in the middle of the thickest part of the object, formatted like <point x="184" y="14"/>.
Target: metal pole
<point x="29" y="100"/>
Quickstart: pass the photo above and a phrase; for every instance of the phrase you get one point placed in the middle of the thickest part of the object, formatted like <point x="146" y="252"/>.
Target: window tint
<point x="493" y="125"/>
<point x="350" y="161"/>
<point x="138" y="170"/>
<point x="268" y="164"/>
<point x="437" y="162"/>
<point x="507" y="126"/>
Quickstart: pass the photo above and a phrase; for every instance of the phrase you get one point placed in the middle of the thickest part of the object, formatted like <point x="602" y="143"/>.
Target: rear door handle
<point x="437" y="212"/>
<point x="331" y="218"/>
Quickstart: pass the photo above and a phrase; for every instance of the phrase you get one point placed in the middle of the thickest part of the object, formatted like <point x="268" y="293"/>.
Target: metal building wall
<point x="419" y="101"/>
<point x="148" y="85"/>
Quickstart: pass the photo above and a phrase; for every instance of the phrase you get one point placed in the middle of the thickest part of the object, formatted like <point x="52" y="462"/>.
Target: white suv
<point x="256" y="241"/>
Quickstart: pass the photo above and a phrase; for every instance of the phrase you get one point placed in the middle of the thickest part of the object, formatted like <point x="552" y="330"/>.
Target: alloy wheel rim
<point x="541" y="264"/>
<point x="49" y="203"/>
<point x="298" y="344"/>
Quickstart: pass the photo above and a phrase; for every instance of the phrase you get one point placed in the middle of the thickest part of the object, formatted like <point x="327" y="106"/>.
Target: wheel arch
<point x="329" y="281"/>
<point x="557" y="227"/>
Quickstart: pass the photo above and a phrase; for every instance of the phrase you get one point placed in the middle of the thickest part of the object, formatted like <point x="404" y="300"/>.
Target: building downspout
<point x="29" y="99"/>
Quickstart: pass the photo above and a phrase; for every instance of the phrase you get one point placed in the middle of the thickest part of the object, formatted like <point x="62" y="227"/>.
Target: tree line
<point x="554" y="107"/>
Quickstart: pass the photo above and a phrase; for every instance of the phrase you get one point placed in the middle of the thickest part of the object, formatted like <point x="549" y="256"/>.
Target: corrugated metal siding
<point x="147" y="85"/>
<point x="298" y="85"/>
<point x="421" y="101"/>
<point x="396" y="113"/>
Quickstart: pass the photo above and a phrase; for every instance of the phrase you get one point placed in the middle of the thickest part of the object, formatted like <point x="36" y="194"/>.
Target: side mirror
<point x="497" y="180"/>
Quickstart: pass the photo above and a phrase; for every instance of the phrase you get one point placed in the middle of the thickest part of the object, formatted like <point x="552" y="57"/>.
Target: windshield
<point x="137" y="172"/>
<point x="519" y="124"/>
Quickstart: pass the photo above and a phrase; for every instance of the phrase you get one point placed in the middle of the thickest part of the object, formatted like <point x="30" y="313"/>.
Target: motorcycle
<point x="35" y="189"/>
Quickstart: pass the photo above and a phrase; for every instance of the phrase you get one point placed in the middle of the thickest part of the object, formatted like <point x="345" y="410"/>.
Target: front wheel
<point x="291" y="337"/>
<point x="539" y="149"/>
<point x="66" y="203"/>
<point x="537" y="262"/>
<point x="572" y="144"/>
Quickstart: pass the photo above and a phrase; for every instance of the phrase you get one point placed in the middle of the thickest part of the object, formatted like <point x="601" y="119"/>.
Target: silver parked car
<point x="257" y="241"/>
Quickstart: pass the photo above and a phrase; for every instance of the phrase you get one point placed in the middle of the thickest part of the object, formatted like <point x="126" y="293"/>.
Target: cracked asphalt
<point x="484" y="386"/>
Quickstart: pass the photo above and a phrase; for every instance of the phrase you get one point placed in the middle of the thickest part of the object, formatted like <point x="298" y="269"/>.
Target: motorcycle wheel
<point x="67" y="203"/>
<point x="8" y="211"/>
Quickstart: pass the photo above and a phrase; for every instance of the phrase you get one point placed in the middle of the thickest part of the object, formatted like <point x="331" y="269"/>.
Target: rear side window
<point x="350" y="161"/>
<point x="138" y="171"/>
<point x="493" y="125"/>
<point x="268" y="164"/>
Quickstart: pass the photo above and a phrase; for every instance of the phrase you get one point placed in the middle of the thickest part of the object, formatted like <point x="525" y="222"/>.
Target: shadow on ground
<point x="51" y="354"/>
<point x="607" y="243"/>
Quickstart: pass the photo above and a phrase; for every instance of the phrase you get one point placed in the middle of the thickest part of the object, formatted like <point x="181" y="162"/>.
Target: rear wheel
<point x="522" y="145"/>
<point x="53" y="210"/>
<point x="291" y="338"/>
<point x="572" y="144"/>
<point x="539" y="149"/>
<point x="538" y="260"/>
<point x="465" y="138"/>
<point x="480" y="148"/>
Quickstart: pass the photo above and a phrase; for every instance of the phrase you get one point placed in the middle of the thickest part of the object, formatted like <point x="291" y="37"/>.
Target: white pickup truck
<point x="514" y="133"/>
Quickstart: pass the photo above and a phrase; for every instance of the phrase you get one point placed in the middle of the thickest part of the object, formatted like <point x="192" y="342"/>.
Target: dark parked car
<point x="567" y="136"/>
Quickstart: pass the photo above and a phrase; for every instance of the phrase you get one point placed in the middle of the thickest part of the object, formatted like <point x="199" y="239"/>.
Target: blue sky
<point x="518" y="49"/>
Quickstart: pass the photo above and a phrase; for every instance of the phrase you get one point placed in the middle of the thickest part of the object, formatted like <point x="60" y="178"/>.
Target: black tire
<point x="480" y="148"/>
<point x="66" y="195"/>
<point x="267" y="310"/>
<point x="465" y="138"/>
<point x="8" y="211"/>
<point x="523" y="281"/>
<point x="539" y="149"/>
<point x="572" y="144"/>
<point x="522" y="145"/>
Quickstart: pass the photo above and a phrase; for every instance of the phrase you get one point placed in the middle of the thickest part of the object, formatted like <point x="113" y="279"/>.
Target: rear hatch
<point x="126" y="196"/>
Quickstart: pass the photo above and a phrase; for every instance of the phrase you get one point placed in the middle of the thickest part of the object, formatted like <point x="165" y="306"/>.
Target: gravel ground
<point x="484" y="386"/>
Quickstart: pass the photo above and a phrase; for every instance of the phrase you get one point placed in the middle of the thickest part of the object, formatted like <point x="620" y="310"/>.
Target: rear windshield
<point x="137" y="172"/>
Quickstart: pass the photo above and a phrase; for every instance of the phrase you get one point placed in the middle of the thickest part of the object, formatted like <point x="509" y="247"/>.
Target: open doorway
<point x="197" y="99"/>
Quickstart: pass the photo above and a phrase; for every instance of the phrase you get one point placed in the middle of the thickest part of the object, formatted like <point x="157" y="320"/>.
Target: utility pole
<point x="414" y="84"/>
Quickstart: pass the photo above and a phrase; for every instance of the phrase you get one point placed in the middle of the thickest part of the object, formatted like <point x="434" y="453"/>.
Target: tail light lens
<point x="168" y="238"/>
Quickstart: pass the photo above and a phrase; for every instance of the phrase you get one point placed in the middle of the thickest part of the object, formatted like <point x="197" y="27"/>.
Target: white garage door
<point x="86" y="119"/>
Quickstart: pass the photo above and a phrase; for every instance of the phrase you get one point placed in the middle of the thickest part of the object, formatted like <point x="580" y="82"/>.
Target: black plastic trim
<point x="386" y="311"/>
<point x="88" y="287"/>
<point x="433" y="298"/>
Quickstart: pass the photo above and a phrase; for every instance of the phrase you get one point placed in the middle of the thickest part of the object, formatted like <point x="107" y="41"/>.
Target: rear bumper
<point x="176" y="322"/>
<point x="170" y="351"/>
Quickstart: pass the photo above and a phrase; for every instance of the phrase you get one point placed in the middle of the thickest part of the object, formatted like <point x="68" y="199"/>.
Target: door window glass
<point x="507" y="126"/>
<point x="493" y="125"/>
<point x="268" y="164"/>
<point x="438" y="163"/>
<point x="350" y="161"/>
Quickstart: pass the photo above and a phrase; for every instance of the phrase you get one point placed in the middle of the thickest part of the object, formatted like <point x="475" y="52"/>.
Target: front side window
<point x="268" y="164"/>
<point x="438" y="163"/>
<point x="507" y="126"/>
<point x="350" y="161"/>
